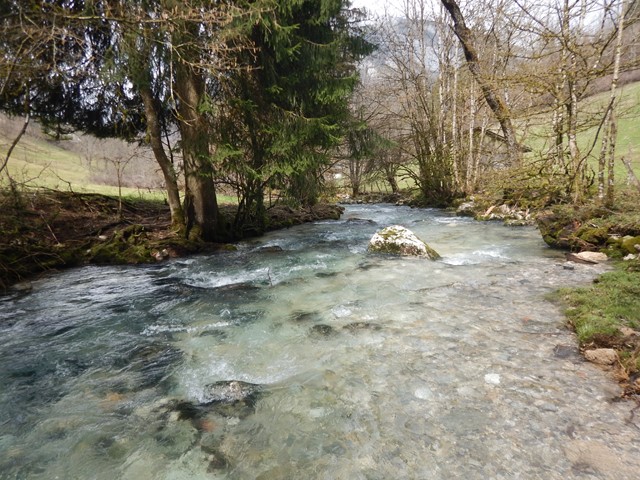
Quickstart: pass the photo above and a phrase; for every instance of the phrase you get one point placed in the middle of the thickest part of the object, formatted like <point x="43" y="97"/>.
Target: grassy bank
<point x="606" y="314"/>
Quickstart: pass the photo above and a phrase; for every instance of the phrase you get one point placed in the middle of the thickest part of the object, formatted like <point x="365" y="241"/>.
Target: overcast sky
<point x="393" y="7"/>
<point x="377" y="6"/>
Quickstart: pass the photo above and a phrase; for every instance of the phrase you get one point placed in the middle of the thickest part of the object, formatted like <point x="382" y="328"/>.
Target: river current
<point x="300" y="356"/>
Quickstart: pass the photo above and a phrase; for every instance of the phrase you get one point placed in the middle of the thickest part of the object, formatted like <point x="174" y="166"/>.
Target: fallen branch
<point x="632" y="175"/>
<point x="15" y="142"/>
<point x="50" y="229"/>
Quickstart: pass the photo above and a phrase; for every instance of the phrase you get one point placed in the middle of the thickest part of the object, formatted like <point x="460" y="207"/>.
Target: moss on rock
<point x="397" y="240"/>
<point x="129" y="245"/>
<point x="630" y="244"/>
<point x="588" y="227"/>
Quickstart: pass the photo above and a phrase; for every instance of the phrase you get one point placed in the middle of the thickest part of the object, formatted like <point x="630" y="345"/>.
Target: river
<point x="300" y="356"/>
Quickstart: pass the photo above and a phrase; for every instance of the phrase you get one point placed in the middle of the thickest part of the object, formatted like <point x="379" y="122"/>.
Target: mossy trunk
<point x="201" y="207"/>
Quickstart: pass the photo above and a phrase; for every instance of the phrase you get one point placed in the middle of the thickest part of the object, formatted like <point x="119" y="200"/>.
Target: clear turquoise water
<point x="369" y="367"/>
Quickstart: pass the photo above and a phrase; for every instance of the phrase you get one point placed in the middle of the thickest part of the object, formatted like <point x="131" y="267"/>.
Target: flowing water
<point x="300" y="356"/>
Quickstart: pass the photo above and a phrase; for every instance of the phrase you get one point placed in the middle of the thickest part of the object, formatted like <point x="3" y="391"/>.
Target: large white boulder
<point x="397" y="240"/>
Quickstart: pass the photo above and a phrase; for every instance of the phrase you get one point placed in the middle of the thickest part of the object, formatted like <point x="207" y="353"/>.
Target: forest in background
<point x="296" y="98"/>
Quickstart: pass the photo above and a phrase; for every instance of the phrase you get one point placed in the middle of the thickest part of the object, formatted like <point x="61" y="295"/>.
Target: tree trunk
<point x="633" y="179"/>
<point x="354" y="176"/>
<point x="574" y="150"/>
<point x="393" y="183"/>
<point x="570" y="83"/>
<point x="490" y="92"/>
<point x="201" y="206"/>
<point x="469" y="182"/>
<point x="170" y="178"/>
<point x="611" y="131"/>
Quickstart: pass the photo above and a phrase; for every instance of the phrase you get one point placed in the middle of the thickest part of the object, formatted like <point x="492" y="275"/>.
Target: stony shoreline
<point x="58" y="230"/>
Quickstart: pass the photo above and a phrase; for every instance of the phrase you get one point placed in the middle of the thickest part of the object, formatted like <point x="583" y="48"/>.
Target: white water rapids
<point x="367" y="367"/>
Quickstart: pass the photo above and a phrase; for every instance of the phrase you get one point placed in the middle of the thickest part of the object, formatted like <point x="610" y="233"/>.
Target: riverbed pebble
<point x="492" y="379"/>
<point x="602" y="356"/>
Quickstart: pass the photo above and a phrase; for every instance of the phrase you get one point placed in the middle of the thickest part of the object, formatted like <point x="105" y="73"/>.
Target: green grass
<point x="38" y="163"/>
<point x="44" y="164"/>
<point x="602" y="308"/>
<point x="628" y="139"/>
<point x="600" y="312"/>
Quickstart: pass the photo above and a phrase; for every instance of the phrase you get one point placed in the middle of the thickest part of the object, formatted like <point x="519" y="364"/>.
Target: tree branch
<point x="15" y="142"/>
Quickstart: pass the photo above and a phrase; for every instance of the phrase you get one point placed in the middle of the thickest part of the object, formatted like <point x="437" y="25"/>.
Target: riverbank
<point x="48" y="230"/>
<point x="606" y="319"/>
<point x="606" y="314"/>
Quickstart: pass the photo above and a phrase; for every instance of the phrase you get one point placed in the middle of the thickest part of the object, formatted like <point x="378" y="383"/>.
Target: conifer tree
<point x="290" y="108"/>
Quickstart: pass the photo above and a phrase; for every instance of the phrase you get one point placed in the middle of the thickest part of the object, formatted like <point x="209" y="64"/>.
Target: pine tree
<point x="290" y="108"/>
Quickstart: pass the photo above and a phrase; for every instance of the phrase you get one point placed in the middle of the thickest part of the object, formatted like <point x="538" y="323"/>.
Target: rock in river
<point x="398" y="240"/>
<point x="230" y="391"/>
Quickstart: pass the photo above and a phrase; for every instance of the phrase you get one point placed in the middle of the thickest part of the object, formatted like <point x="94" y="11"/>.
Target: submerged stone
<point x="322" y="330"/>
<point x="230" y="391"/>
<point x="238" y="287"/>
<point x="360" y="221"/>
<point x="233" y="399"/>
<point x="398" y="240"/>
<point x="564" y="351"/>
<point x="187" y="411"/>
<point x="215" y="458"/>
<point x="357" y="326"/>
<point x="153" y="361"/>
<point x="269" y="249"/>
<point x="217" y="333"/>
<point x="301" y="317"/>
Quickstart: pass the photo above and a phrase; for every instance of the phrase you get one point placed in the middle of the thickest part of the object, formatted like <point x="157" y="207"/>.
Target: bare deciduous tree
<point x="490" y="91"/>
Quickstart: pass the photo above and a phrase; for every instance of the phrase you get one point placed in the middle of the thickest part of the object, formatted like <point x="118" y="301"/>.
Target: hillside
<point x="85" y="164"/>
<point x="628" y="142"/>
<point x="539" y="132"/>
<point x="80" y="163"/>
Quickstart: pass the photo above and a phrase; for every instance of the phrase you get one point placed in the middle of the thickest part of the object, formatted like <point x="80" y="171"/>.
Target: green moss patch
<point x="603" y="313"/>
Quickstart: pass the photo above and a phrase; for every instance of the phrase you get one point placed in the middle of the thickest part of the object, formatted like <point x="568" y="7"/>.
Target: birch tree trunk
<point x="607" y="152"/>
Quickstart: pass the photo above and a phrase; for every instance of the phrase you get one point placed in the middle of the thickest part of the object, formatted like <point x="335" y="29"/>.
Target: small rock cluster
<point x="575" y="230"/>
<point x="629" y="245"/>
<point x="510" y="215"/>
